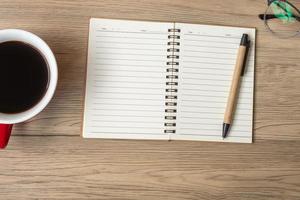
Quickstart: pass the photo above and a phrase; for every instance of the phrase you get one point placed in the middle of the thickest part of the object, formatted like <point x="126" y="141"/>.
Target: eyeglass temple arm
<point x="272" y="16"/>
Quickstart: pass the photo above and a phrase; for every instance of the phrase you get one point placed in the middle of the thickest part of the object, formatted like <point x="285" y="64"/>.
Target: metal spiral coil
<point x="172" y="80"/>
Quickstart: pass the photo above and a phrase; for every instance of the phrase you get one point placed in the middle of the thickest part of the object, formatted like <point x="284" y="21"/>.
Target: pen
<point x="235" y="84"/>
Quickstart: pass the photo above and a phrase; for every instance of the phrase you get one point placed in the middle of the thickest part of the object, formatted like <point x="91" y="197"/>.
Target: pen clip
<point x="245" y="58"/>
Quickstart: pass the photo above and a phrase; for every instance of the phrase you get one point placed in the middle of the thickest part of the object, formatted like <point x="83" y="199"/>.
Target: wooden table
<point x="46" y="157"/>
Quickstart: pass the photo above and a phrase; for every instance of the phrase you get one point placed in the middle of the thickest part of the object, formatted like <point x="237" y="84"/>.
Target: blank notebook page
<point x="125" y="91"/>
<point x="207" y="60"/>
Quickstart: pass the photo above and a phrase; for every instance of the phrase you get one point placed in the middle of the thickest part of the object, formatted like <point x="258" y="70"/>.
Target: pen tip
<point x="225" y="130"/>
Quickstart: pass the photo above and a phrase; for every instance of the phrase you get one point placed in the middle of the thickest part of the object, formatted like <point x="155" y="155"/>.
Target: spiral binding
<point x="172" y="80"/>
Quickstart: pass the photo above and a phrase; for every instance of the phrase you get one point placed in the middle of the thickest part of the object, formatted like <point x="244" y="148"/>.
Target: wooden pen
<point x="235" y="84"/>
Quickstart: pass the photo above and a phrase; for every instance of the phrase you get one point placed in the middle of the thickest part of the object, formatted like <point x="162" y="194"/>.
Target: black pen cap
<point x="244" y="40"/>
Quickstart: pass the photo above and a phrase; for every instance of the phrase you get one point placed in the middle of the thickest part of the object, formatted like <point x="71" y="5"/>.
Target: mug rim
<point x="39" y="44"/>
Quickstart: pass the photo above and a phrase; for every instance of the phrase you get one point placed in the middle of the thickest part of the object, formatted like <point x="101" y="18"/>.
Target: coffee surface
<point x="24" y="77"/>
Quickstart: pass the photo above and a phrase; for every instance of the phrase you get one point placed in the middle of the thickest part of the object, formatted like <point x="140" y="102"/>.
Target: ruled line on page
<point x="127" y="121"/>
<point x="213" y="63"/>
<point x="209" y="129"/>
<point x="135" y="32"/>
<point x="129" y="43"/>
<point x="126" y="104"/>
<point x="135" y="60"/>
<point x="130" y="54"/>
<point x="213" y="135"/>
<point x="129" y="93"/>
<point x="212" y="68"/>
<point x="126" y="87"/>
<point x="202" y="101"/>
<point x="201" y="71"/>
<point x="203" y="123"/>
<point x="130" y="48"/>
<point x="141" y="99"/>
<point x="215" y="96"/>
<point x="144" y="82"/>
<point x="203" y="112"/>
<point x="120" y="70"/>
<point x="204" y="84"/>
<point x="216" y="80"/>
<point x="118" y="127"/>
<point x="221" y="107"/>
<point x="122" y="65"/>
<point x="206" y="46"/>
<point x="218" y="36"/>
<point x="210" y="118"/>
<point x="125" y="133"/>
<point x="200" y="56"/>
<point x="130" y="110"/>
<point x="128" y="69"/>
<point x="212" y="41"/>
<point x="125" y="115"/>
<point x="214" y="58"/>
<point x="128" y="76"/>
<point x="197" y="51"/>
<point x="213" y="90"/>
<point x="126" y="37"/>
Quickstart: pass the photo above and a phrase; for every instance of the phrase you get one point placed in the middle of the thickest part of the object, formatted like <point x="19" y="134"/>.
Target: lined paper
<point x="126" y="75"/>
<point x="207" y="59"/>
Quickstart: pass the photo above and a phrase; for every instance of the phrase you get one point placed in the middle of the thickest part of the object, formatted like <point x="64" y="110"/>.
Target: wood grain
<point x="47" y="159"/>
<point x="74" y="168"/>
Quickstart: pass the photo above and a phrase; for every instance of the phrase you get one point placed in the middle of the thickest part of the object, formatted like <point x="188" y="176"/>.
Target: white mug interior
<point x="43" y="48"/>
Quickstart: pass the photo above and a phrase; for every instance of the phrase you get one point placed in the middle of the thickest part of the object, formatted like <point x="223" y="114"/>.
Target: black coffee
<point x="24" y="77"/>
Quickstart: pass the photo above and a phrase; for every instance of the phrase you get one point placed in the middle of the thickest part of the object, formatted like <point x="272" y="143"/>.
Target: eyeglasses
<point x="282" y="18"/>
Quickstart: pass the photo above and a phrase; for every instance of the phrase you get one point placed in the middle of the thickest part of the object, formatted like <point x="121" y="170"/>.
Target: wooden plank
<point x="68" y="167"/>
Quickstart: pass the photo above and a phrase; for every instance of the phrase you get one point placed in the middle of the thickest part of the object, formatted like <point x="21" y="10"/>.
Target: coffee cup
<point x="28" y="78"/>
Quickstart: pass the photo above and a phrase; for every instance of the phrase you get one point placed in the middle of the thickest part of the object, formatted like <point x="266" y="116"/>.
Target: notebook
<point x="165" y="81"/>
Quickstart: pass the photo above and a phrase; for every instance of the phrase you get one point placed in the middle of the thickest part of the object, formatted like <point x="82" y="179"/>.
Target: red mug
<point x="7" y="120"/>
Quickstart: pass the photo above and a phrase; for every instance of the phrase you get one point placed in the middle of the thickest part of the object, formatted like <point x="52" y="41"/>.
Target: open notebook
<point x="169" y="81"/>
